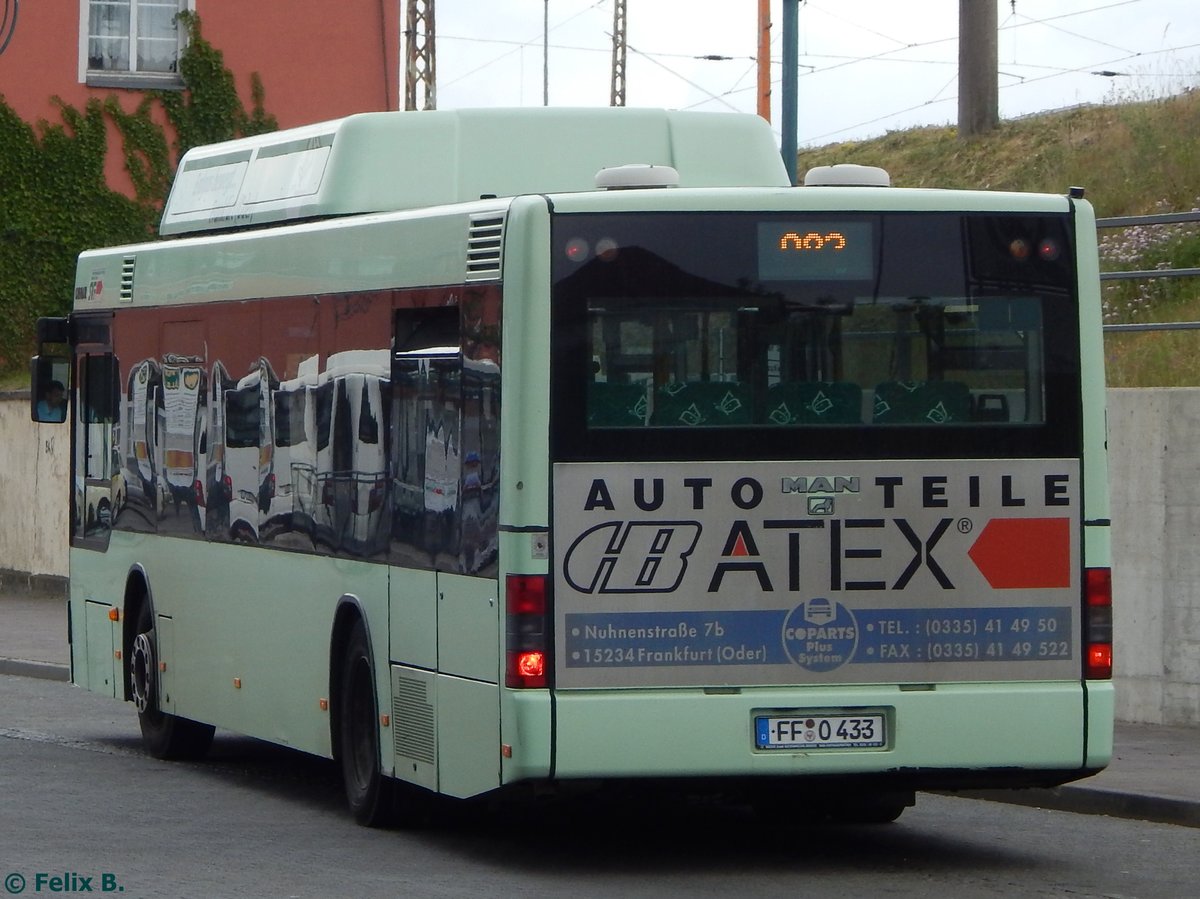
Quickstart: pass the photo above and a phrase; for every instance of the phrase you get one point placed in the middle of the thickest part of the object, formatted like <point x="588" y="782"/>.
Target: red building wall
<point x="318" y="60"/>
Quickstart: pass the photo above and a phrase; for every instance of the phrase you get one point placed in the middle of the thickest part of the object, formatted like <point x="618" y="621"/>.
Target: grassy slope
<point x="1129" y="156"/>
<point x="1132" y="158"/>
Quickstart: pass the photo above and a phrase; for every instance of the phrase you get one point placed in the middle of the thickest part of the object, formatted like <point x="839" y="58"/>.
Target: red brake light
<point x="531" y="664"/>
<point x="1098" y="624"/>
<point x="527" y="658"/>
<point x="1099" y="661"/>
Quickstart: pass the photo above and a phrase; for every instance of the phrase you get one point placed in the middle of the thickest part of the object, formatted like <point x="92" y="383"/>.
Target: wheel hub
<point x="141" y="672"/>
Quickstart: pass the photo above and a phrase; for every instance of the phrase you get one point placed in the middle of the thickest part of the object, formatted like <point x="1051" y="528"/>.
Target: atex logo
<point x="631" y="556"/>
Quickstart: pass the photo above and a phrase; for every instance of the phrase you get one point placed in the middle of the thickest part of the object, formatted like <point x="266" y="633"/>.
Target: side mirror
<point x="49" y="377"/>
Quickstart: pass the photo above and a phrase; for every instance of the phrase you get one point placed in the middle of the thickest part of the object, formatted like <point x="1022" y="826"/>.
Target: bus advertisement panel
<point x="849" y="572"/>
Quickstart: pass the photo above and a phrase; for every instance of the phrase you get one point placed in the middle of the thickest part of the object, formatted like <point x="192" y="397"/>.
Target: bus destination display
<point x="820" y="250"/>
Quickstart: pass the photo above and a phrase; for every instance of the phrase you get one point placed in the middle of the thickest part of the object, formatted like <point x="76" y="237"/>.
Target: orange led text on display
<point x="812" y="240"/>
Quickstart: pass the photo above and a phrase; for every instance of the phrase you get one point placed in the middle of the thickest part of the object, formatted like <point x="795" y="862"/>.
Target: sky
<point x="866" y="66"/>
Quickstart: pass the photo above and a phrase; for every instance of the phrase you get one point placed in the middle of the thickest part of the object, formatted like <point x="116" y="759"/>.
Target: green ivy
<point x="213" y="113"/>
<point x="55" y="203"/>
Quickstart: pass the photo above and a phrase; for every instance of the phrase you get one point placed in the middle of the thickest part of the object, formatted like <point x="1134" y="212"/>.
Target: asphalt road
<point x="80" y="800"/>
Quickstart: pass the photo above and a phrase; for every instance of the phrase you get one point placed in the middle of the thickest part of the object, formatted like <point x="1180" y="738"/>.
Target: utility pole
<point x="764" y="59"/>
<point x="978" y="81"/>
<point x="617" y="94"/>
<point x="420" y="59"/>
<point x="791" y="90"/>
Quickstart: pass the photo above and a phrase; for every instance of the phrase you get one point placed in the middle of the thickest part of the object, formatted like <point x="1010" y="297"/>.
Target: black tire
<point x="370" y="794"/>
<point x="165" y="736"/>
<point x="883" y="808"/>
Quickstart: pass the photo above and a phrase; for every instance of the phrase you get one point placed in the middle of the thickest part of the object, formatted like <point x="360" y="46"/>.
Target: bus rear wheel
<point x="369" y="792"/>
<point x="165" y="736"/>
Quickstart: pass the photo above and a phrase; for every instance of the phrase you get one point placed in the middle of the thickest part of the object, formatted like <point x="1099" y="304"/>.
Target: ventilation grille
<point x="412" y="720"/>
<point x="127" y="266"/>
<point x="484" y="242"/>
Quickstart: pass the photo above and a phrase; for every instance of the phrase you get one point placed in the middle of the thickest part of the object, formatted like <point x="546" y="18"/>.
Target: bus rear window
<point x="899" y="323"/>
<point x="880" y="361"/>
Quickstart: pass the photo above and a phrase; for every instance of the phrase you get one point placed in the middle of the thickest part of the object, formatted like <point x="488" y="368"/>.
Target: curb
<point x="42" y="670"/>
<point x="1098" y="801"/>
<point x="47" y="586"/>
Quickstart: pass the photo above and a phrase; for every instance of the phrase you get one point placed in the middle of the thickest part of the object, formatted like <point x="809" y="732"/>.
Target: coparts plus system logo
<point x="820" y="635"/>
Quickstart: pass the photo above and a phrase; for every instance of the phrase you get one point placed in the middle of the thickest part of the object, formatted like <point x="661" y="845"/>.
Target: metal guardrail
<point x="1130" y="221"/>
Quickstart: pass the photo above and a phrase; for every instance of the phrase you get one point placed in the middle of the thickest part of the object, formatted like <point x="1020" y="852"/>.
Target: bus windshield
<point x="935" y="326"/>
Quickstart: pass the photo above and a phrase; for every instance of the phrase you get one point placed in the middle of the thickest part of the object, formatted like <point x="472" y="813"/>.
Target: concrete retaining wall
<point x="1154" y="464"/>
<point x="1154" y="476"/>
<point x="34" y="478"/>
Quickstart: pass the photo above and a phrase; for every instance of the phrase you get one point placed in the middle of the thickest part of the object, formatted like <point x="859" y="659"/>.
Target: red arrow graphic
<point x="1024" y="553"/>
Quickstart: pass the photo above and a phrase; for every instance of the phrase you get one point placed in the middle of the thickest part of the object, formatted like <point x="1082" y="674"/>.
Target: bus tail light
<point x="1098" y="624"/>
<point x="528" y="658"/>
<point x="198" y="492"/>
<point x="227" y="487"/>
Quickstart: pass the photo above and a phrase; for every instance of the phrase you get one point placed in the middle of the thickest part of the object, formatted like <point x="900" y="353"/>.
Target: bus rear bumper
<point x="944" y="736"/>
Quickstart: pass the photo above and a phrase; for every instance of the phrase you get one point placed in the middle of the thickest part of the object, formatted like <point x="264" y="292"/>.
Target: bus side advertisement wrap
<point x="711" y="573"/>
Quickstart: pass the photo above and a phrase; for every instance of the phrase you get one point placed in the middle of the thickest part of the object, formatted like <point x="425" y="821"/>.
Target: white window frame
<point x="131" y="78"/>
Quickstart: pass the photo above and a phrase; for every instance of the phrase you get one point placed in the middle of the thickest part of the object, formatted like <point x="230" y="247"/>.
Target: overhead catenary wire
<point x="518" y="46"/>
<point x="1076" y="70"/>
<point x="902" y="52"/>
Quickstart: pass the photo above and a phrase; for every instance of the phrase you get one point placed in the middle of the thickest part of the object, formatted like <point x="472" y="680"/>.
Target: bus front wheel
<point x="165" y="736"/>
<point x="370" y="793"/>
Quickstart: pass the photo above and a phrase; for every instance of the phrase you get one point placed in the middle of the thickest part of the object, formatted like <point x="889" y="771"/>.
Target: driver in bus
<point x="53" y="405"/>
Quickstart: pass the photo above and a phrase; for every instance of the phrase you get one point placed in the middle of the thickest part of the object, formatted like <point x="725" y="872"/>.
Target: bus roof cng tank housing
<point x="390" y="161"/>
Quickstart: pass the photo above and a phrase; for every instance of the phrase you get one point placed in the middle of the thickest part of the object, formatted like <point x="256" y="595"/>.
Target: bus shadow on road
<point x="650" y="827"/>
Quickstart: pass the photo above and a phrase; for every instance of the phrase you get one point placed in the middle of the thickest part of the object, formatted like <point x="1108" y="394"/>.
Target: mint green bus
<point x="502" y="451"/>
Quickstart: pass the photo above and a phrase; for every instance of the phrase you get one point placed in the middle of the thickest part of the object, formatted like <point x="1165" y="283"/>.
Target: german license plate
<point x="814" y="730"/>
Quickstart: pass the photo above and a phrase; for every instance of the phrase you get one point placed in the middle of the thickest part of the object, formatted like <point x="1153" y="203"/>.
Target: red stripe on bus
<point x="1015" y="553"/>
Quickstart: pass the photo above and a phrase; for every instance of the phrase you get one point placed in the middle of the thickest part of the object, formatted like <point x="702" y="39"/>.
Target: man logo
<point x="820" y="505"/>
<point x="631" y="557"/>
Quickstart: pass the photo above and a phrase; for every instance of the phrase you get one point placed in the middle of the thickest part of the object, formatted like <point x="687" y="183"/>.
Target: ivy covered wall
<point x="55" y="203"/>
